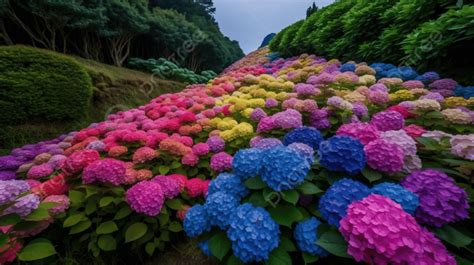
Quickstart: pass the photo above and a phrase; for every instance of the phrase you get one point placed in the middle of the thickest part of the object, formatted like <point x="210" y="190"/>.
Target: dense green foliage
<point x="40" y="85"/>
<point x="431" y="34"/>
<point x="168" y="70"/>
<point x="111" y="31"/>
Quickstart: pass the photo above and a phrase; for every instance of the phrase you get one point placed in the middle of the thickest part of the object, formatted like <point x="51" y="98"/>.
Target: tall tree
<point x="311" y="10"/>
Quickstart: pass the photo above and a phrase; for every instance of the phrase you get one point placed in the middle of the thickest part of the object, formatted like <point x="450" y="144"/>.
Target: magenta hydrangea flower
<point x="146" y="197"/>
<point x="384" y="156"/>
<point x="76" y="162"/>
<point x="216" y="144"/>
<point x="62" y="204"/>
<point x="271" y="103"/>
<point x="363" y="132"/>
<point x="201" y="149"/>
<point x="388" y="120"/>
<point x="108" y="170"/>
<point x="441" y="200"/>
<point x="221" y="161"/>
<point x="379" y="231"/>
<point x="40" y="171"/>
<point x="266" y="124"/>
<point x="169" y="186"/>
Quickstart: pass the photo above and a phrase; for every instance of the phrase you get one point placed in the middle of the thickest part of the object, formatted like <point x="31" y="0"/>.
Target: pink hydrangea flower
<point x="143" y="155"/>
<point x="40" y="171"/>
<point x="221" y="162"/>
<point x="201" y="149"/>
<point x="194" y="187"/>
<point x="384" y="156"/>
<point x="146" y="197"/>
<point x="169" y="186"/>
<point x="108" y="170"/>
<point x="414" y="130"/>
<point x="62" y="202"/>
<point x="190" y="159"/>
<point x="77" y="161"/>
<point x="388" y="120"/>
<point x="364" y="132"/>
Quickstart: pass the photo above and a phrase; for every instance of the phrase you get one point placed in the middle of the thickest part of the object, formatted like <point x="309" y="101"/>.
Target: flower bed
<point x="277" y="160"/>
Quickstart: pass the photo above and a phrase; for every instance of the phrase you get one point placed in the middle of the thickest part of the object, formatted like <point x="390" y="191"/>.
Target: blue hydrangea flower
<point x="196" y="221"/>
<point x="306" y="235"/>
<point x="247" y="163"/>
<point x="306" y="135"/>
<point x="283" y="168"/>
<point x="228" y="183"/>
<point x="303" y="150"/>
<point x="10" y="189"/>
<point x="342" y="154"/>
<point x="407" y="199"/>
<point x="219" y="208"/>
<point x="24" y="205"/>
<point x="404" y="72"/>
<point x="347" y="67"/>
<point x="204" y="246"/>
<point x="253" y="233"/>
<point x="428" y="77"/>
<point x="465" y="92"/>
<point x="333" y="204"/>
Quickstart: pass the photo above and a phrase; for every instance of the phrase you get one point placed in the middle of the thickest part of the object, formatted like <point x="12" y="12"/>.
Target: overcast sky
<point x="249" y="21"/>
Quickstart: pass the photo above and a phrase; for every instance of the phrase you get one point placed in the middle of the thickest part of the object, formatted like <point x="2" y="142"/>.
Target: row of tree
<point x="433" y="34"/>
<point x="111" y="31"/>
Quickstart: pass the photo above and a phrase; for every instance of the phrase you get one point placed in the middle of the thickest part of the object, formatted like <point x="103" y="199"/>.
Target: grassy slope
<point x="114" y="89"/>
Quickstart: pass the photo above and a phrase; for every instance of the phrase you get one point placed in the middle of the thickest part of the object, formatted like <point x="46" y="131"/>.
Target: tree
<point x="311" y="10"/>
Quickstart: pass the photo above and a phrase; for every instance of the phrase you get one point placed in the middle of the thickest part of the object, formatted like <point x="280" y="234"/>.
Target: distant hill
<point x="267" y="39"/>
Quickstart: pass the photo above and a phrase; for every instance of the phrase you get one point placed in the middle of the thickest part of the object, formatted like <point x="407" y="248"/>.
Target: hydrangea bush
<point x="276" y="161"/>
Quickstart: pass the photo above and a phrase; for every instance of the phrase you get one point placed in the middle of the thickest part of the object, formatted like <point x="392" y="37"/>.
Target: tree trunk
<point x="120" y="49"/>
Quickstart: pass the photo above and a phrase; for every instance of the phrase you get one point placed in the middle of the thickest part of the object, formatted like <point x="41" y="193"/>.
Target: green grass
<point x="114" y="89"/>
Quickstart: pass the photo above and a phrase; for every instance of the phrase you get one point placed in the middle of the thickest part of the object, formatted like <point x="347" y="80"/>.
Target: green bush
<point x="38" y="85"/>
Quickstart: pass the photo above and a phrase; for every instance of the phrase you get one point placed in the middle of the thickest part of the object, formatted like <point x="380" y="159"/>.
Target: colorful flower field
<point x="277" y="161"/>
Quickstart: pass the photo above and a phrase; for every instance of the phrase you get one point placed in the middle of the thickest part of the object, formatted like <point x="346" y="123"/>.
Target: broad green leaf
<point x="150" y="248"/>
<point x="453" y="236"/>
<point x="286" y="214"/>
<point x="257" y="200"/>
<point x="123" y="212"/>
<point x="107" y="243"/>
<point x="106" y="201"/>
<point x="287" y="244"/>
<point x="80" y="227"/>
<point x="107" y="228"/>
<point x="135" y="231"/>
<point x="91" y="207"/>
<point x="308" y="188"/>
<point x="37" y="249"/>
<point x="175" y="227"/>
<point x="290" y="196"/>
<point x="76" y="197"/>
<point x="219" y="245"/>
<point x="233" y="260"/>
<point x="38" y="215"/>
<point x="163" y="169"/>
<point x="175" y="204"/>
<point x="334" y="243"/>
<point x="279" y="256"/>
<point x="73" y="219"/>
<point x="255" y="183"/>
<point x="371" y="175"/>
<point x="10" y="219"/>
<point x="308" y="259"/>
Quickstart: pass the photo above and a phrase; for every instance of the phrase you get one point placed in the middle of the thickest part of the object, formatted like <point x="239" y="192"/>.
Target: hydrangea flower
<point x="402" y="139"/>
<point x="228" y="183"/>
<point x="219" y="208"/>
<point x="108" y="170"/>
<point x="463" y="146"/>
<point x="253" y="233"/>
<point x="24" y="205"/>
<point x="360" y="109"/>
<point x="143" y="155"/>
<point x="441" y="200"/>
<point x="342" y="154"/>
<point x="76" y="162"/>
<point x="169" y="186"/>
<point x="388" y="120"/>
<point x="266" y="143"/>
<point x="303" y="150"/>
<point x="221" y="161"/>
<point x="196" y="221"/>
<point x="384" y="156"/>
<point x="62" y="202"/>
<point x="40" y="171"/>
<point x="306" y="135"/>
<point x="10" y="189"/>
<point x="333" y="204"/>
<point x="363" y="132"/>
<point x="407" y="199"/>
<point x="283" y="168"/>
<point x="379" y="231"/>
<point x="204" y="247"/>
<point x="288" y="119"/>
<point x="194" y="187"/>
<point x="216" y="144"/>
<point x="7" y="175"/>
<point x="146" y="197"/>
<point x="247" y="163"/>
<point x="257" y="114"/>
<point x="306" y="235"/>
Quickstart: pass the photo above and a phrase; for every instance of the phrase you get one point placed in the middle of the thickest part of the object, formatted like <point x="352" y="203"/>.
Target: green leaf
<point x="135" y="231"/>
<point x="286" y="214"/>
<point x="76" y="197"/>
<point x="123" y="212"/>
<point x="308" y="188"/>
<point x="48" y="205"/>
<point x="290" y="196"/>
<point x="233" y="260"/>
<point x="73" y="219"/>
<point x="164" y="218"/>
<point x="107" y="243"/>
<point x="257" y="200"/>
<point x="287" y="244"/>
<point x="150" y="248"/>
<point x="80" y="227"/>
<point x="428" y="143"/>
<point x="334" y="243"/>
<point x="219" y="245"/>
<point x="163" y="169"/>
<point x="37" y="249"/>
<point x="371" y="175"/>
<point x="175" y="227"/>
<point x="175" y="165"/>
<point x="309" y="258"/>
<point x="38" y="215"/>
<point x="106" y="201"/>
<point x="279" y="257"/>
<point x="91" y="207"/>
<point x="175" y="204"/>
<point x="10" y="219"/>
<point x="255" y="183"/>
<point x="3" y="240"/>
<point x="453" y="236"/>
<point x="107" y="228"/>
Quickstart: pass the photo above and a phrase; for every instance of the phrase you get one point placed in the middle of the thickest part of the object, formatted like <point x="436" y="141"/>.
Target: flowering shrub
<point x="277" y="161"/>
